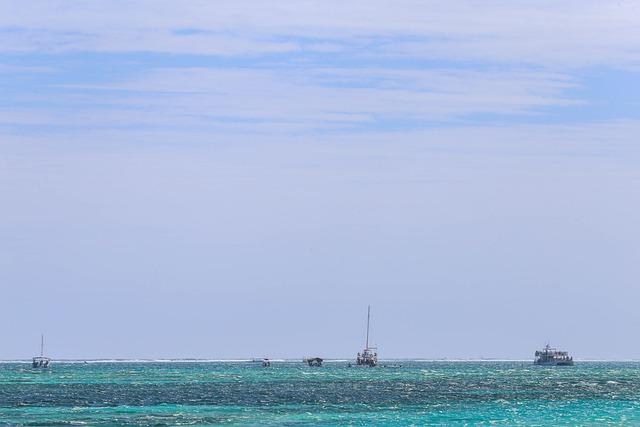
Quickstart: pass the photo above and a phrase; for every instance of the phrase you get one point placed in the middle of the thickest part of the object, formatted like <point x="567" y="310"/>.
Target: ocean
<point x="289" y="393"/>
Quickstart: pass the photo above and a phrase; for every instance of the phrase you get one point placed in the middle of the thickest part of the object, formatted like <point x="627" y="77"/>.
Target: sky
<point x="239" y="179"/>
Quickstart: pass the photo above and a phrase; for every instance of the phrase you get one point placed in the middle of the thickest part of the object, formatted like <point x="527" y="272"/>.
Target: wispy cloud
<point x="306" y="98"/>
<point x="306" y="66"/>
<point x="570" y="33"/>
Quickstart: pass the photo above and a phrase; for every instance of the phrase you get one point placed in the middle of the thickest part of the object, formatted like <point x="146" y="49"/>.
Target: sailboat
<point x="369" y="356"/>
<point x="41" y="361"/>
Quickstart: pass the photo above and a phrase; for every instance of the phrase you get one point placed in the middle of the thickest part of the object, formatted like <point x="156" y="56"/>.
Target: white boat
<point x="369" y="356"/>
<point x="41" y="361"/>
<point x="551" y="357"/>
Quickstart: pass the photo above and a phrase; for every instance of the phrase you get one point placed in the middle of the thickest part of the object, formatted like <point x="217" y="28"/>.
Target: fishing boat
<point x="41" y="361"/>
<point x="369" y="356"/>
<point x="549" y="356"/>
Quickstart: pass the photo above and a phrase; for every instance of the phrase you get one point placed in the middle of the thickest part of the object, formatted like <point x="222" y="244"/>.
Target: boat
<point x="313" y="361"/>
<point x="266" y="363"/>
<point x="549" y="356"/>
<point x="369" y="356"/>
<point x="41" y="361"/>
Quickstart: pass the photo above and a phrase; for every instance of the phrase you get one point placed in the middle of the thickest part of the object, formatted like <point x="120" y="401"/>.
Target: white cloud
<point x="296" y="99"/>
<point x="568" y="33"/>
<point x="298" y="93"/>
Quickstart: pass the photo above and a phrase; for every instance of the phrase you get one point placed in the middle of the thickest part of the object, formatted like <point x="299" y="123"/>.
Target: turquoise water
<point x="290" y="393"/>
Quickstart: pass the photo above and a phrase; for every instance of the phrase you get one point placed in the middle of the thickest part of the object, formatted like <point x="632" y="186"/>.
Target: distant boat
<point x="369" y="356"/>
<point x="41" y="361"/>
<point x="551" y="357"/>
<point x="266" y="363"/>
<point x="313" y="361"/>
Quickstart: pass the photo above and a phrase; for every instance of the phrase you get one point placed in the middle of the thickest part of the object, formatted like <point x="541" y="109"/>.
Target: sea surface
<point x="290" y="393"/>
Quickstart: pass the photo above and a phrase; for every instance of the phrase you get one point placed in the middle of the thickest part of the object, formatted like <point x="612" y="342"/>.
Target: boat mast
<point x="41" y="345"/>
<point x="368" y="317"/>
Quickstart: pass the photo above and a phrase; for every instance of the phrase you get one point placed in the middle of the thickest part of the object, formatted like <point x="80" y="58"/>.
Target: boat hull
<point x="40" y="362"/>
<point x="555" y="363"/>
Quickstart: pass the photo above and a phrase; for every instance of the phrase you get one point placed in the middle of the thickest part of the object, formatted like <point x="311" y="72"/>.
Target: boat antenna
<point x="368" y="317"/>
<point x="41" y="345"/>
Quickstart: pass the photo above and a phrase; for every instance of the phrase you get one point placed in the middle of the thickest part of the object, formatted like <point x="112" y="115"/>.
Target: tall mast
<point x="368" y="317"/>
<point x="41" y="345"/>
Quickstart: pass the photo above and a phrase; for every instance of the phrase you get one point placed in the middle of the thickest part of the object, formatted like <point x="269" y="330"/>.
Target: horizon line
<point x="286" y="360"/>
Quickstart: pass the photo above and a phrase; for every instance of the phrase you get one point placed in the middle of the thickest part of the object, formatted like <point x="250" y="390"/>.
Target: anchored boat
<point x="41" y="361"/>
<point x="369" y="356"/>
<point x="313" y="361"/>
<point x="551" y="357"/>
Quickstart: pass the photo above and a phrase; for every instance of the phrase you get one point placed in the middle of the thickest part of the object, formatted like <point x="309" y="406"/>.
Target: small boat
<point x="551" y="357"/>
<point x="313" y="361"/>
<point x="266" y="363"/>
<point x="41" y="361"/>
<point x="369" y="356"/>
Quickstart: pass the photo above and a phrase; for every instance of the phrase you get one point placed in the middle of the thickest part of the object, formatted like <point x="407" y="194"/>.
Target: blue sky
<point x="176" y="176"/>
